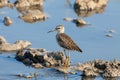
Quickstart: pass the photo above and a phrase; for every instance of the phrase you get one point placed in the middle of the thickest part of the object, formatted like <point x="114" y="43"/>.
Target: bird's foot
<point x="67" y="62"/>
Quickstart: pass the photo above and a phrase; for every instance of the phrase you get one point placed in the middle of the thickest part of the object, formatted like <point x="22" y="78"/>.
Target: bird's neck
<point x="61" y="31"/>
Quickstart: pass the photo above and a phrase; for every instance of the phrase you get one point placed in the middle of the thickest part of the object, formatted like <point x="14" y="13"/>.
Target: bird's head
<point x="59" y="29"/>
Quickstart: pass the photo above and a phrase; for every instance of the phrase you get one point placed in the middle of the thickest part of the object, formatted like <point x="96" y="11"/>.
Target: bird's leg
<point x="68" y="53"/>
<point x="65" y="57"/>
<point x="65" y="52"/>
<point x="68" y="59"/>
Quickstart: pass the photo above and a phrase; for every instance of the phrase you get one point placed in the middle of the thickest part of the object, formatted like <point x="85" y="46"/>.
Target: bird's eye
<point x="58" y="28"/>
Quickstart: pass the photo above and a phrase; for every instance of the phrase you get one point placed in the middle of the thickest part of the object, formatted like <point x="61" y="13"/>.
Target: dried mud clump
<point x="3" y="3"/>
<point x="40" y="58"/>
<point x="100" y="67"/>
<point x="7" y="21"/>
<point x="26" y="3"/>
<point x="8" y="47"/>
<point x="6" y="3"/>
<point x="86" y="8"/>
<point x="90" y="4"/>
<point x="30" y="10"/>
<point x="78" y="22"/>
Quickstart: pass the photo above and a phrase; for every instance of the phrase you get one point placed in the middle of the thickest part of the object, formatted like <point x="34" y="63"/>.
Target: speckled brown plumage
<point x="66" y="42"/>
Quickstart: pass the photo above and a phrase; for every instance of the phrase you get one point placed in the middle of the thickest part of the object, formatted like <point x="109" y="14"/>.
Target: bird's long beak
<point x="51" y="30"/>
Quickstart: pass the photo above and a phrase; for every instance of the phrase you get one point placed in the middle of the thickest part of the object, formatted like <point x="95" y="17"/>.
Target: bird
<point x="64" y="40"/>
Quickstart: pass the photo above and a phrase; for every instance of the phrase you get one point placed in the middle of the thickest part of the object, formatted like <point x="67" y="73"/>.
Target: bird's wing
<point x="66" y="42"/>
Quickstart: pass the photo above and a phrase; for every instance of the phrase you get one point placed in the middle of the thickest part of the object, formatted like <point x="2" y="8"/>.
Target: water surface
<point x="91" y="39"/>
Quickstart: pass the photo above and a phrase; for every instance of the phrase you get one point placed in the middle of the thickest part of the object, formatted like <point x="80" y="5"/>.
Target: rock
<point x="33" y="16"/>
<point x="30" y="10"/>
<point x="18" y="45"/>
<point x="51" y="61"/>
<point x="22" y="3"/>
<point x="90" y="72"/>
<point x="47" y="64"/>
<point x="109" y="35"/>
<point x="3" y="3"/>
<point x="100" y="67"/>
<point x="27" y="75"/>
<point x="111" y="31"/>
<point x="36" y="2"/>
<point x="19" y="55"/>
<point x="112" y="69"/>
<point x="65" y="70"/>
<point x="2" y="40"/>
<point x="45" y="59"/>
<point x="37" y="65"/>
<point x="59" y="57"/>
<point x="111" y="72"/>
<point x="37" y="49"/>
<point x="26" y="3"/>
<point x="42" y="58"/>
<point x="27" y="61"/>
<point x="10" y="4"/>
<point x="100" y="64"/>
<point x="7" y="21"/>
<point x="78" y="22"/>
<point x="68" y="19"/>
<point x="6" y="3"/>
<point x="85" y="8"/>
<point x="90" y="4"/>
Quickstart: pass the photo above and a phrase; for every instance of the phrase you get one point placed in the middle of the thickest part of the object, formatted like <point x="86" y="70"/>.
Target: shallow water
<point x="91" y="39"/>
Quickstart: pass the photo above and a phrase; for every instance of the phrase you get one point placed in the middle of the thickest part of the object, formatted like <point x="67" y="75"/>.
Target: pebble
<point x="109" y="35"/>
<point x="111" y="31"/>
<point x="7" y="21"/>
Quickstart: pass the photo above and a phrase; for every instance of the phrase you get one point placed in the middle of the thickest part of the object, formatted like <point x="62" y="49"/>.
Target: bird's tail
<point x="80" y="50"/>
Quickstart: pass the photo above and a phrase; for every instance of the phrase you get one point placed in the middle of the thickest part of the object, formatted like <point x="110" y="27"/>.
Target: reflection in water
<point x="87" y="78"/>
<point x="68" y="3"/>
<point x="83" y="25"/>
<point x="115" y="78"/>
<point x="65" y="77"/>
<point x="88" y="13"/>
